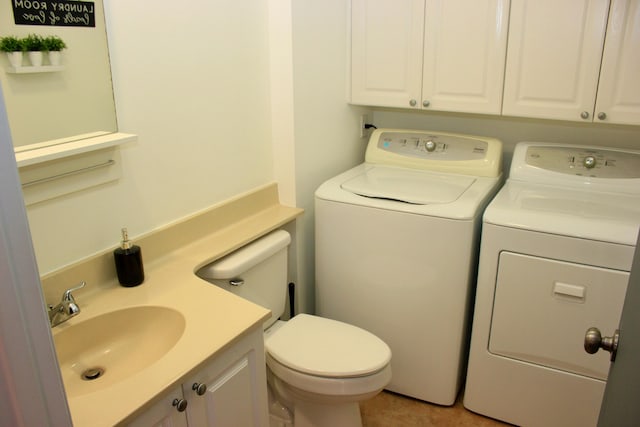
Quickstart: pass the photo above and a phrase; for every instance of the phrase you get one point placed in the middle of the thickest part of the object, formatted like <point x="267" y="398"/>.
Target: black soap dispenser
<point x="128" y="260"/>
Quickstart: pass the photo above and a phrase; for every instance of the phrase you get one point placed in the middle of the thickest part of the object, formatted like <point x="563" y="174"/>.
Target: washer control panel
<point x="436" y="151"/>
<point x="585" y="161"/>
<point x="442" y="147"/>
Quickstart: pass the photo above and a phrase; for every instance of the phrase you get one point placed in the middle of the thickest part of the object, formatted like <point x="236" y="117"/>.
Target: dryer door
<point x="543" y="306"/>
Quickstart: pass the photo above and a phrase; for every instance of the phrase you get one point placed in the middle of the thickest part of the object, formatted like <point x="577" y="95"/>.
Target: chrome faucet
<point x="66" y="309"/>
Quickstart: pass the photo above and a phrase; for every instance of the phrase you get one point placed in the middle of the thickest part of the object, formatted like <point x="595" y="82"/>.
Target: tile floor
<point x="393" y="410"/>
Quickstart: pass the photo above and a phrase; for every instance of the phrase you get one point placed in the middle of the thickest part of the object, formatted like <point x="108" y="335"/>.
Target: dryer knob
<point x="589" y="162"/>
<point x="430" y="146"/>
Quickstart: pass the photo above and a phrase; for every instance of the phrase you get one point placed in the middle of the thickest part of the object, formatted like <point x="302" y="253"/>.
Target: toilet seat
<point x="327" y="348"/>
<point x="357" y="388"/>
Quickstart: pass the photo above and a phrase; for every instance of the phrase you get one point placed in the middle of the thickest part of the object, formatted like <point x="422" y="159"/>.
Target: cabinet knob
<point x="199" y="388"/>
<point x="425" y="103"/>
<point x="413" y="102"/>
<point x="602" y="116"/>
<point x="180" y="404"/>
<point x="584" y="114"/>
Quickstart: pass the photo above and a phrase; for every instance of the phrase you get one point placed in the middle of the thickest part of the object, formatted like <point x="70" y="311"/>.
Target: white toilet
<point x="318" y="370"/>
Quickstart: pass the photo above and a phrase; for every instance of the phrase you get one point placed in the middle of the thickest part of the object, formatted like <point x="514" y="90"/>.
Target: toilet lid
<point x="328" y="348"/>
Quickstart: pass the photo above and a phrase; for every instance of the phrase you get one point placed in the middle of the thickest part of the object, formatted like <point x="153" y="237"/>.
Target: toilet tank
<point x="256" y="272"/>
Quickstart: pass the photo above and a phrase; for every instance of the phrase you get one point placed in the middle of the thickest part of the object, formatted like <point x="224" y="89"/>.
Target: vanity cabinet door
<point x="232" y="389"/>
<point x="553" y="58"/>
<point x="619" y="89"/>
<point x="162" y="413"/>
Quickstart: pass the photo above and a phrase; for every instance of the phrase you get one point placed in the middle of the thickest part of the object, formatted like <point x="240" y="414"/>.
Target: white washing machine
<point x="557" y="247"/>
<point x="396" y="250"/>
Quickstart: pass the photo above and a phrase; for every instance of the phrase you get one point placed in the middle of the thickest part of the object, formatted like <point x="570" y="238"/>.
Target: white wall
<point x="326" y="128"/>
<point x="192" y="81"/>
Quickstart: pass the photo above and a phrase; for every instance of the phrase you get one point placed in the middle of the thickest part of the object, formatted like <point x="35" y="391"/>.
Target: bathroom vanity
<point x="174" y="349"/>
<point x="229" y="390"/>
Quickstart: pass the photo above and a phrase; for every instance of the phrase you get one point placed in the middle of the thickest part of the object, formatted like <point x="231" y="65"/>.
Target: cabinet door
<point x="619" y="90"/>
<point x="553" y="58"/>
<point x="234" y="388"/>
<point x="465" y="46"/>
<point x="386" y="52"/>
<point x="162" y="413"/>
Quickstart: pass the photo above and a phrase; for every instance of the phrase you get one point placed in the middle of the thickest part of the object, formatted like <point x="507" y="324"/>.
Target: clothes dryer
<point x="557" y="247"/>
<point x="397" y="245"/>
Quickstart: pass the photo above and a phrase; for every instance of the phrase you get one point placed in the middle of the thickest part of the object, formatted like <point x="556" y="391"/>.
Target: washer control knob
<point x="425" y="103"/>
<point x="584" y="115"/>
<point x="413" y="102"/>
<point x="589" y="162"/>
<point x="430" y="146"/>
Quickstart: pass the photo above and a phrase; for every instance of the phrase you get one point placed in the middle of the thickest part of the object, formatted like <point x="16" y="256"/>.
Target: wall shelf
<point x="52" y="150"/>
<point x="55" y="168"/>
<point x="32" y="69"/>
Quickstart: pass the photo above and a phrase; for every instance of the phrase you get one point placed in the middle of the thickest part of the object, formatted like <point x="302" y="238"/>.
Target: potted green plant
<point x="34" y="46"/>
<point x="54" y="45"/>
<point x="14" y="47"/>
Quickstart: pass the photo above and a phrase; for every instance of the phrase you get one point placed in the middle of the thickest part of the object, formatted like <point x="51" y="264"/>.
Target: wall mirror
<point x="54" y="105"/>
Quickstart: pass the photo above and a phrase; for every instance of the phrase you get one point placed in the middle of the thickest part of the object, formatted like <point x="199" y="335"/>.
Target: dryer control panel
<point x="586" y="167"/>
<point x="436" y="151"/>
<point x="583" y="161"/>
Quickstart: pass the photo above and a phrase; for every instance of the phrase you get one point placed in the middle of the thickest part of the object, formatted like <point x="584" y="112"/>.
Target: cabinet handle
<point x="602" y="116"/>
<point x="584" y="114"/>
<point x="413" y="102"/>
<point x="199" y="388"/>
<point x="180" y="404"/>
<point x="425" y="103"/>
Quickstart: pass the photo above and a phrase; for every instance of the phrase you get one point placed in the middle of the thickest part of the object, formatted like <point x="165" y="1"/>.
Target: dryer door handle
<point x="594" y="341"/>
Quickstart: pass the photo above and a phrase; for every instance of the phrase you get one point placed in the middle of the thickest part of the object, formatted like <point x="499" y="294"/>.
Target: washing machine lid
<point x="327" y="348"/>
<point x="408" y="185"/>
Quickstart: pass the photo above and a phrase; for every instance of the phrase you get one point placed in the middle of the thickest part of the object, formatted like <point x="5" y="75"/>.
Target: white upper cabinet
<point x="386" y="60"/>
<point x="553" y="58"/>
<point x="618" y="99"/>
<point x="464" y="55"/>
<point x="432" y="54"/>
<point x="574" y="60"/>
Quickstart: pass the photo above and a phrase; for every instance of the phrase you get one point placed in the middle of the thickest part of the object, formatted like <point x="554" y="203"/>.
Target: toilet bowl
<point x="318" y="370"/>
<point x="323" y="368"/>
